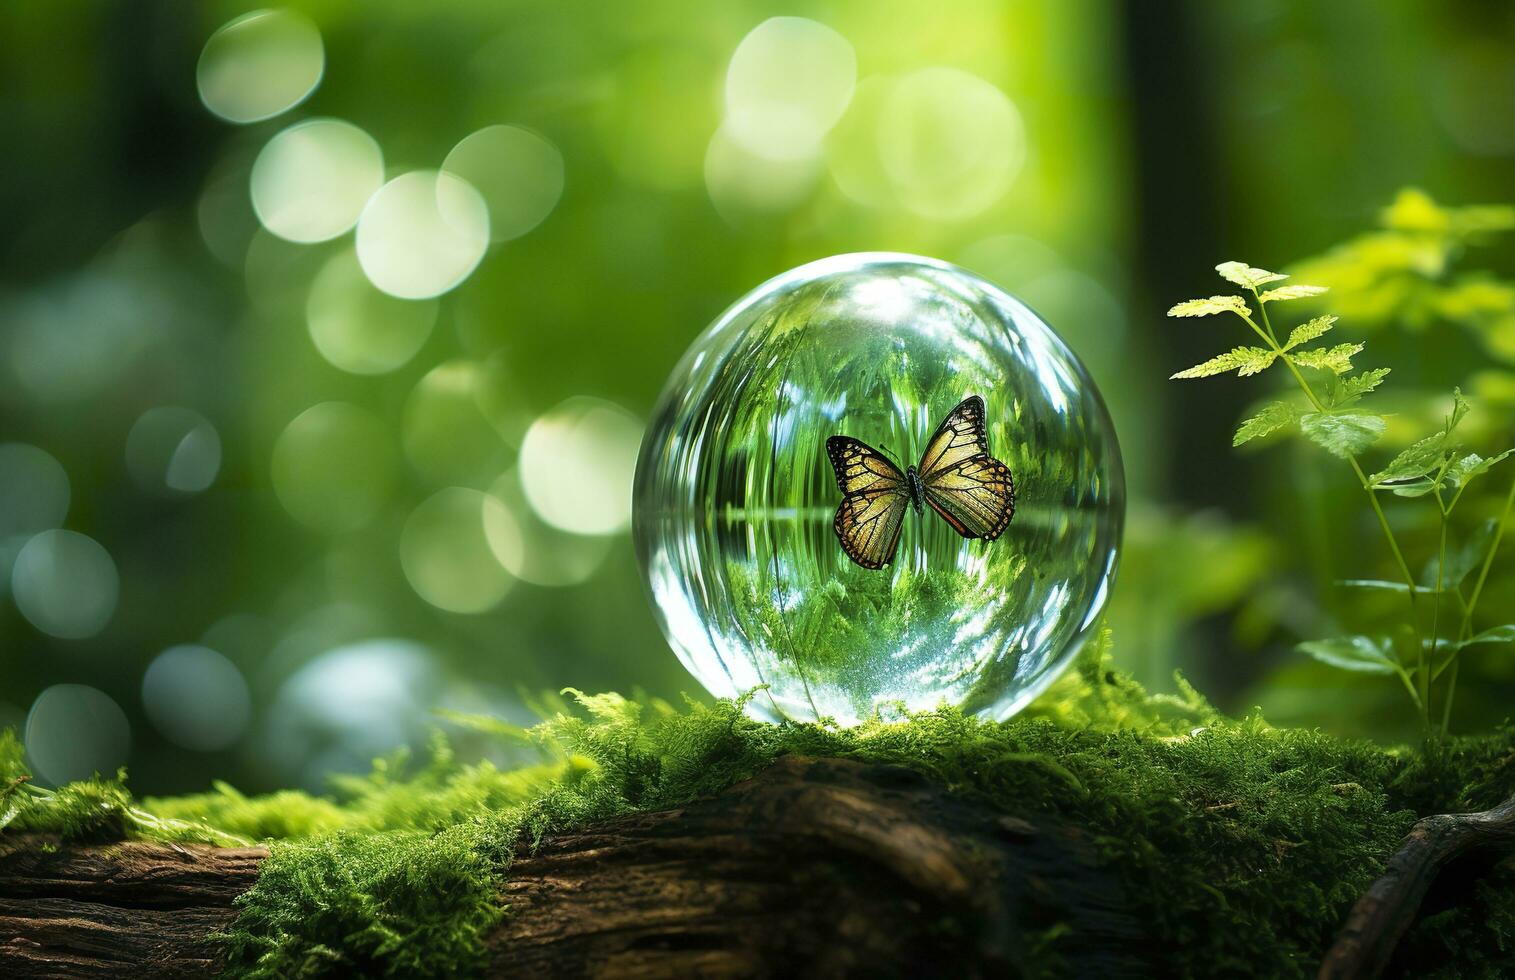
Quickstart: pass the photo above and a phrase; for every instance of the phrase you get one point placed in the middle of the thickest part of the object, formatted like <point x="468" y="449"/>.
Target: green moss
<point x="1240" y="846"/>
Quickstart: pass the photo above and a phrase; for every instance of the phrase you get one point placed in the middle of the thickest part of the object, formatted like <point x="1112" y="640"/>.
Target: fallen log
<point x="813" y="867"/>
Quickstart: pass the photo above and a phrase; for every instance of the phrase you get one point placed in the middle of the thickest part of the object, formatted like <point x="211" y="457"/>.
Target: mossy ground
<point x="1241" y="845"/>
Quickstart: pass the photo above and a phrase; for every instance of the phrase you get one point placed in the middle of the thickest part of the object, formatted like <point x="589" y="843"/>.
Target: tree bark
<point x="1366" y="944"/>
<point x="812" y="868"/>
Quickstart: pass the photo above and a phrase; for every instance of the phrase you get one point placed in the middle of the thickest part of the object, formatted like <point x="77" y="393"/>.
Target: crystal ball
<point x="821" y="496"/>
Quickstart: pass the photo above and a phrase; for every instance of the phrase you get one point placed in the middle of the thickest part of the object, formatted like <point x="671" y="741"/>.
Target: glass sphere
<point x="736" y="496"/>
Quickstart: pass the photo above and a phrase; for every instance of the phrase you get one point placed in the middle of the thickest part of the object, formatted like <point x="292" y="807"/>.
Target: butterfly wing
<point x="875" y="495"/>
<point x="973" y="491"/>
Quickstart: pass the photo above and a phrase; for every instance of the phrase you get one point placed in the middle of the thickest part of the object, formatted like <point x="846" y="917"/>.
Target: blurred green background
<point x="274" y="487"/>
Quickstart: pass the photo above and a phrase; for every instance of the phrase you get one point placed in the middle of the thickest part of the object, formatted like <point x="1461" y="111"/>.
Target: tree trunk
<point x="814" y="867"/>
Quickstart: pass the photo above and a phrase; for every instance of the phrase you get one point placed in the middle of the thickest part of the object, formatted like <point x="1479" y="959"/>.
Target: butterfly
<point x="957" y="477"/>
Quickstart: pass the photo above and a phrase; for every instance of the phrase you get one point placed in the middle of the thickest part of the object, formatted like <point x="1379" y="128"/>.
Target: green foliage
<point x="89" y="811"/>
<point x="1238" y="845"/>
<point x="1436" y="466"/>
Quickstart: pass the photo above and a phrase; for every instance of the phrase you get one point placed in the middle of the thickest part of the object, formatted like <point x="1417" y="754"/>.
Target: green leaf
<point x="1414" y="488"/>
<point x="1291" y="292"/>
<point x="1460" y="407"/>
<point x="1210" y="305"/>
<point x="1338" y="358"/>
<point x="1243" y="360"/>
<point x="1246" y="276"/>
<point x="1498" y="634"/>
<point x="1274" y="416"/>
<point x="1416" y="460"/>
<point x="1361" y="653"/>
<point x="1354" y="387"/>
<point x="1342" y="433"/>
<point x="1472" y="465"/>
<point x="1308" y="331"/>
<point x="1462" y="561"/>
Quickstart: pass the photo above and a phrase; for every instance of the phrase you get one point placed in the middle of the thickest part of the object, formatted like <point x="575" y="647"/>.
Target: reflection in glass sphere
<point x="260" y="65"/>
<point x="519" y="174"/>
<point x="65" y="584"/>
<point x="311" y="181"/>
<point x="74" y="731"/>
<point x="173" y="449"/>
<point x="333" y="466"/>
<point x="736" y="496"/>
<point x="196" y="698"/>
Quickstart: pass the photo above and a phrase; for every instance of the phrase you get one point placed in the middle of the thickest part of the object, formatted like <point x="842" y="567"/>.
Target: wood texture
<point x="1366" y="943"/>
<point x="813" y="868"/>
<point x="132" y="909"/>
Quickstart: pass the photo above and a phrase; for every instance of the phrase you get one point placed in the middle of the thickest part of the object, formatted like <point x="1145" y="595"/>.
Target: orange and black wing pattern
<point x="971" y="490"/>
<point x="875" y="496"/>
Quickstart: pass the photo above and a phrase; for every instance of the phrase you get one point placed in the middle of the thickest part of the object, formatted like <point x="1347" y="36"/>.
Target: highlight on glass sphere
<point x="878" y="482"/>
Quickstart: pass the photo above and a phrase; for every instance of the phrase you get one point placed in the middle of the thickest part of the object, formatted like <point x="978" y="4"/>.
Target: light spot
<point x="349" y="704"/>
<point x="65" y="584"/>
<point x="311" y="182"/>
<point x="172" y="449"/>
<point x="196" y="698"/>
<point x="446" y="435"/>
<point x="950" y="142"/>
<point x="530" y="549"/>
<point x="259" y="65"/>
<point x="73" y="732"/>
<point x="446" y="555"/>
<point x="334" y="466"/>
<point x="359" y="329"/>
<point x="518" y="173"/>
<point x="742" y="184"/>
<point x="34" y="491"/>
<point x="788" y="83"/>
<point x="577" y="463"/>
<point x="422" y="234"/>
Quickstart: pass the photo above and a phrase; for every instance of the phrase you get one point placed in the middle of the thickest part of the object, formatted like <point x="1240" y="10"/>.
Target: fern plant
<point x="1329" y="411"/>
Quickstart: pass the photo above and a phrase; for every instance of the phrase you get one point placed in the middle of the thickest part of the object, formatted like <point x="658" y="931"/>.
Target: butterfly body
<point x="917" y="490"/>
<point x="957" y="478"/>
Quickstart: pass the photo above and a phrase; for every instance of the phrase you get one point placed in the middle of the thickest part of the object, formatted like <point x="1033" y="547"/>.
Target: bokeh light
<point x="349" y="705"/>
<point x="196" y="698"/>
<point x="34" y="490"/>
<point x="359" y="329"/>
<point x="422" y="234"/>
<point x="311" y="181"/>
<point x="577" y="461"/>
<point x="173" y="449"/>
<point x="446" y="555"/>
<point x="518" y="173"/>
<point x="74" y="731"/>
<point x="65" y="584"/>
<point x="532" y="550"/>
<point x="950" y="142"/>
<point x="788" y="83"/>
<point x="939" y="142"/>
<point x="742" y="183"/>
<point x="259" y="65"/>
<point x="447" y="436"/>
<point x="334" y="467"/>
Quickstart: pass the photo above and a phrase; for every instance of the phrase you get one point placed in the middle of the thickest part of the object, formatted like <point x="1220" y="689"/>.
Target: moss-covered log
<point x="820" y="866"/>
